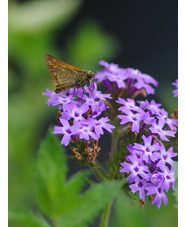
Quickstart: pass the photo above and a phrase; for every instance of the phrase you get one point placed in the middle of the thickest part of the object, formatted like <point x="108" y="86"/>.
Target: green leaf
<point x="76" y="182"/>
<point x="90" y="204"/>
<point x="61" y="199"/>
<point x="51" y="168"/>
<point x="26" y="218"/>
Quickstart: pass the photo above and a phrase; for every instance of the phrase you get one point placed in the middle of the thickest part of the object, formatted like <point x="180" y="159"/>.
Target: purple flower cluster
<point x="151" y="169"/>
<point x="80" y="113"/>
<point x="175" y="92"/>
<point x="131" y="79"/>
<point x="147" y="116"/>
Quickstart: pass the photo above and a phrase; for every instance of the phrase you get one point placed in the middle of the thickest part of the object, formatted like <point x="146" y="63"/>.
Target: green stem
<point x="56" y="222"/>
<point x="105" y="215"/>
<point x="96" y="172"/>
<point x="114" y="142"/>
<point x="101" y="169"/>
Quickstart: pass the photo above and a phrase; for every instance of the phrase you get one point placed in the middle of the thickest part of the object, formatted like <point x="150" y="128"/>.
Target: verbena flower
<point x="172" y="123"/>
<point x="136" y="169"/>
<point x="157" y="129"/>
<point x="149" y="166"/>
<point x="57" y="99"/>
<point x="84" y="129"/>
<point x="148" y="116"/>
<point x="148" y="149"/>
<point x="74" y="111"/>
<point x="80" y="113"/>
<point x="159" y="195"/>
<point x="112" y="74"/>
<point x="150" y="169"/>
<point x="65" y="130"/>
<point x="134" y="118"/>
<point x="175" y="92"/>
<point x="131" y="79"/>
<point x="128" y="105"/>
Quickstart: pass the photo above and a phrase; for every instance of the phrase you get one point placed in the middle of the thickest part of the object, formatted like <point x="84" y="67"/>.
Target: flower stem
<point x="101" y="169"/>
<point x="114" y="142"/>
<point x="96" y="172"/>
<point x="105" y="215"/>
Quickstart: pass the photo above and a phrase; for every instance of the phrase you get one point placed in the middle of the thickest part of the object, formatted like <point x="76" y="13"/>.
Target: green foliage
<point x="26" y="218"/>
<point x="32" y="30"/>
<point x="51" y="173"/>
<point x="30" y="16"/>
<point x="90" y="204"/>
<point x="62" y="200"/>
<point x="127" y="212"/>
<point x="90" y="45"/>
<point x="58" y="197"/>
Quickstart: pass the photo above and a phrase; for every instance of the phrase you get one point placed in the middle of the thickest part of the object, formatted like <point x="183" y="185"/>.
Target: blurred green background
<point x="137" y="34"/>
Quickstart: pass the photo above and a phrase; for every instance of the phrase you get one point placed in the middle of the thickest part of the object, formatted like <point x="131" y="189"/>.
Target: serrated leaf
<point x="26" y="218"/>
<point x="90" y="204"/>
<point x="51" y="171"/>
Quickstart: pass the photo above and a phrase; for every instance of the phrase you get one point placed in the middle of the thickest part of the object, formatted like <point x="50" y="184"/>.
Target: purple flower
<point x="72" y="110"/>
<point x="131" y="79"/>
<point x="94" y="94"/>
<point x="57" y="99"/>
<point x="151" y="169"/>
<point x="169" y="121"/>
<point x="175" y="92"/>
<point x="65" y="130"/>
<point x="84" y="129"/>
<point x="98" y="108"/>
<point x="148" y="116"/>
<point x="166" y="157"/>
<point x="139" y="185"/>
<point x="154" y="107"/>
<point x="159" y="195"/>
<point x="80" y="109"/>
<point x="100" y="124"/>
<point x="158" y="129"/>
<point x="134" y="118"/>
<point x="169" y="179"/>
<point x="144" y="104"/>
<point x="157" y="178"/>
<point x="137" y="153"/>
<point x="139" y="80"/>
<point x="148" y="149"/>
<point x="113" y="74"/>
<point x="129" y="104"/>
<point x="136" y="169"/>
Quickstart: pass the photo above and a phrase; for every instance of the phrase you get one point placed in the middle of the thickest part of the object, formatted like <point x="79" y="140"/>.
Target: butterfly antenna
<point x="98" y="70"/>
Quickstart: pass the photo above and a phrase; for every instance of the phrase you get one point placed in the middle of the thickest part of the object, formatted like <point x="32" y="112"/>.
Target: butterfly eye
<point x="90" y="75"/>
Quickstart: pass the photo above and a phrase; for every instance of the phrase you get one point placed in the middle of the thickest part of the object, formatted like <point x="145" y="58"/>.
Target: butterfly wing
<point x="61" y="73"/>
<point x="51" y="61"/>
